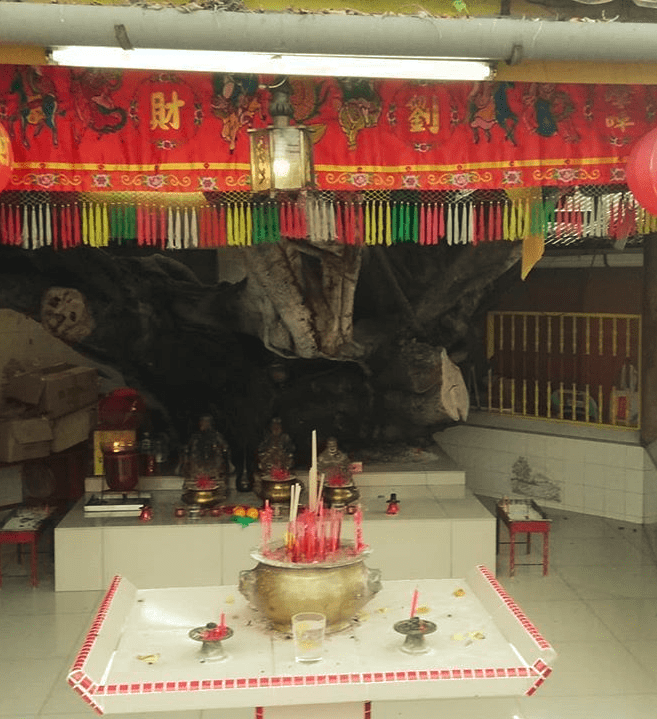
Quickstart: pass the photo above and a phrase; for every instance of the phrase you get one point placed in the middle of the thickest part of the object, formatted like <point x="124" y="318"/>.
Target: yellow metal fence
<point x="568" y="367"/>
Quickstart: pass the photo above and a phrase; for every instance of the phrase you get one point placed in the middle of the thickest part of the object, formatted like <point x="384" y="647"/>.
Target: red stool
<point x="24" y="526"/>
<point x="523" y="516"/>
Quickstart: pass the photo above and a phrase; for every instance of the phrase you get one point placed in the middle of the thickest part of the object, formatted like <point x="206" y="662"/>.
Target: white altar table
<point x="137" y="656"/>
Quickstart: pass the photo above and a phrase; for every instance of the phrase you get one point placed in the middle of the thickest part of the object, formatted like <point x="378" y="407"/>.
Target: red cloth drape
<point x="86" y="130"/>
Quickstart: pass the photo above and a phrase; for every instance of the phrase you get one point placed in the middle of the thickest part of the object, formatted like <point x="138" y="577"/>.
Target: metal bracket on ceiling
<point x="122" y="38"/>
<point x="516" y="55"/>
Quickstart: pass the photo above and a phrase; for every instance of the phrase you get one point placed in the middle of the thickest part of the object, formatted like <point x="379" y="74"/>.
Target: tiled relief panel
<point x="603" y="478"/>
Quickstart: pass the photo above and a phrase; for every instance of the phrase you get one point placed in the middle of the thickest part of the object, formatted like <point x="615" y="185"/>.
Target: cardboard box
<point x="11" y="484"/>
<point x="57" y="390"/>
<point x="73" y="428"/>
<point x="102" y="436"/>
<point x="25" y="439"/>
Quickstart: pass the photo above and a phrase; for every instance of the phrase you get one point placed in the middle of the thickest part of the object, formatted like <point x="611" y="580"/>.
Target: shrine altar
<point x="137" y="656"/>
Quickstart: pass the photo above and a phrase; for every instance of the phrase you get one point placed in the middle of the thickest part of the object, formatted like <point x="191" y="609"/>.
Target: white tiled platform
<point x="597" y="606"/>
<point x="437" y="513"/>
<point x="434" y="467"/>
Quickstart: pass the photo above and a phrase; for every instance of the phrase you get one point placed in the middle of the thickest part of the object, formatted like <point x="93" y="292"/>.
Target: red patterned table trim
<point x="77" y="677"/>
<point x="544" y="672"/>
<point x="318" y="680"/>
<point x="533" y="632"/>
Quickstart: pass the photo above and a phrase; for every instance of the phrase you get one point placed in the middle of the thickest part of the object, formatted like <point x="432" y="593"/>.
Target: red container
<point x="121" y="462"/>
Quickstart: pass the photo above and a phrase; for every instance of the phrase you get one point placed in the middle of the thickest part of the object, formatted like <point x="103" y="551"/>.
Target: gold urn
<point x="340" y="495"/>
<point x="339" y="588"/>
<point x="204" y="497"/>
<point x="277" y="491"/>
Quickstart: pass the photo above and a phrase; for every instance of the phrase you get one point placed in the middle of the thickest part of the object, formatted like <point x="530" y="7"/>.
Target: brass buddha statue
<point x="339" y="488"/>
<point x="205" y="466"/>
<point x="275" y="460"/>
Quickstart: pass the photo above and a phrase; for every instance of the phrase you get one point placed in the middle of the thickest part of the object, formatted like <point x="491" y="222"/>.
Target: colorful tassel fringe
<point x="349" y="222"/>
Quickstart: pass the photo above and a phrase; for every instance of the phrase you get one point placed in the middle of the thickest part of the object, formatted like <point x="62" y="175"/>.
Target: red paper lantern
<point x="6" y="158"/>
<point x="641" y="171"/>
<point x="123" y="408"/>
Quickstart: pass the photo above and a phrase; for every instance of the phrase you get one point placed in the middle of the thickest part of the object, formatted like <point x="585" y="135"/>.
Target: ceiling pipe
<point x="333" y="33"/>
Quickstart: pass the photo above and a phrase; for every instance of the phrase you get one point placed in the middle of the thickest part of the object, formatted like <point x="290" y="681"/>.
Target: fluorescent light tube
<point x="403" y="68"/>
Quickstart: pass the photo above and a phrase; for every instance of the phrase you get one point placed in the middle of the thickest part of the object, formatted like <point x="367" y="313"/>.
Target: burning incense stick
<point x="312" y="475"/>
<point x="320" y="489"/>
<point x="414" y="603"/>
<point x="295" y="492"/>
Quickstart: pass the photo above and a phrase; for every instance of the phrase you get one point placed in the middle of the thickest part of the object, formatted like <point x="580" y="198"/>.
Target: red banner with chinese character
<point x="6" y="158"/>
<point x="86" y="130"/>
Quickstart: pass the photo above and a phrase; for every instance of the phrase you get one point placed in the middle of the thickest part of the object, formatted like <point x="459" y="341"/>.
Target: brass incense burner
<point x="415" y="630"/>
<point x="211" y="637"/>
<point x="339" y="588"/>
<point x="203" y="497"/>
<point x="338" y="497"/>
<point x="277" y="491"/>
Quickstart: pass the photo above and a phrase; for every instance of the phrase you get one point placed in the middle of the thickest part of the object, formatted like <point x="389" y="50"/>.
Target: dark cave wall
<point x="180" y="338"/>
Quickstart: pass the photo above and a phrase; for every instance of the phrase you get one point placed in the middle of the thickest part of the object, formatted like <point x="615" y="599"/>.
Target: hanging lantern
<point x="6" y="158"/>
<point x="641" y="171"/>
<point x="281" y="154"/>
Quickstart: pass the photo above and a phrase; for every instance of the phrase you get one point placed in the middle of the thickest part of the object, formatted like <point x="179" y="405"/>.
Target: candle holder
<point x="415" y="630"/>
<point x="211" y="637"/>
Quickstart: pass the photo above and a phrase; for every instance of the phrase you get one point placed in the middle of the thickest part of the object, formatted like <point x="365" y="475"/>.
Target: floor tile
<point x="627" y="619"/>
<point x="566" y="620"/>
<point x="26" y="684"/>
<point x="525" y="588"/>
<point x="53" y="635"/>
<point x="478" y="708"/>
<point x="598" y="668"/>
<point x="605" y="582"/>
<point x="645" y="652"/>
<point x="42" y="600"/>
<point x="228" y="714"/>
<point x="625" y="706"/>
<point x="580" y="526"/>
<point x="611" y="551"/>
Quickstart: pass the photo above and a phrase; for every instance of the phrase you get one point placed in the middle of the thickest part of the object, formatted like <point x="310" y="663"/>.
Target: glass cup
<point x="308" y="631"/>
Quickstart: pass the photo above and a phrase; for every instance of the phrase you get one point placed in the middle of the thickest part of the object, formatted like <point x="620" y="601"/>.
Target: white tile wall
<point x="609" y="476"/>
<point x="614" y="506"/>
<point x="634" y="481"/>
<point x="594" y="500"/>
<point x="633" y="507"/>
<point x="573" y="495"/>
<point x="650" y="493"/>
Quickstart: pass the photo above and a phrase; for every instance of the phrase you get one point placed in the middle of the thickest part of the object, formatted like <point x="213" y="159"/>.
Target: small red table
<point x="24" y="525"/>
<point x="523" y="516"/>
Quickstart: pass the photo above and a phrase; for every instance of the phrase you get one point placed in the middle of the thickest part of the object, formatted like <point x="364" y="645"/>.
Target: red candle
<point x="321" y="539"/>
<point x="265" y="521"/>
<point x="358" y="524"/>
<point x="311" y="538"/>
<point x="414" y="603"/>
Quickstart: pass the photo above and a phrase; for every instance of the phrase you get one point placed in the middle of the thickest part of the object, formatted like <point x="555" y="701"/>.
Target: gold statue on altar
<point x="275" y="459"/>
<point x="205" y="465"/>
<point x="334" y="464"/>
